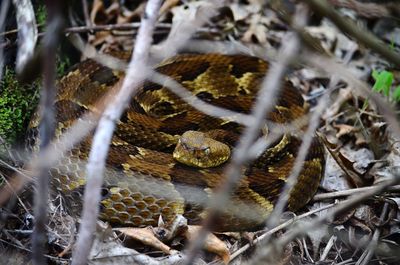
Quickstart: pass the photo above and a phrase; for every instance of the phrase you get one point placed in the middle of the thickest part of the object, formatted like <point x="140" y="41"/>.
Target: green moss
<point x="17" y="103"/>
<point x="41" y="15"/>
<point x="63" y="63"/>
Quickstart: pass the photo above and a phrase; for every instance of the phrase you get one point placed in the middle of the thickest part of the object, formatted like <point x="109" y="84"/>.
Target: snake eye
<point x="207" y="150"/>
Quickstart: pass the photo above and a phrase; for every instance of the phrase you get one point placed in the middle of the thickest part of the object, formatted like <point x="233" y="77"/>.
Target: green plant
<point x="17" y="103"/>
<point x="41" y="15"/>
<point x="383" y="84"/>
<point x="63" y="63"/>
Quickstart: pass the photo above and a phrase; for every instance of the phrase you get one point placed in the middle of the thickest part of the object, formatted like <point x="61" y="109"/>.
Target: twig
<point x="328" y="247"/>
<point x="322" y="7"/>
<point x="86" y="13"/>
<point x="343" y="193"/>
<point x="368" y="10"/>
<point x="19" y="200"/>
<point x="3" y="14"/>
<point x="56" y="259"/>
<point x="27" y="33"/>
<point x="183" y="27"/>
<point x="90" y="52"/>
<point x="277" y="228"/>
<point x="330" y="66"/>
<point x="275" y="132"/>
<point x="304" y="148"/>
<point x="367" y="255"/>
<point x="300" y="21"/>
<point x="110" y="27"/>
<point x="46" y="127"/>
<point x="199" y="104"/>
<point x="272" y="251"/>
<point x="102" y="137"/>
<point x="264" y="102"/>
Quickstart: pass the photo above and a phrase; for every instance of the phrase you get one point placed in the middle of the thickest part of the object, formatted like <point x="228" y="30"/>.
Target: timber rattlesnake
<point x="144" y="181"/>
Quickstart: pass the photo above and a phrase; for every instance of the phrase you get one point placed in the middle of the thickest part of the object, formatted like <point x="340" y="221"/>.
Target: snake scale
<point x="144" y="179"/>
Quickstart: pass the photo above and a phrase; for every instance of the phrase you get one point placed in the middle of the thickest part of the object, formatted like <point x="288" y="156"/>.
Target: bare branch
<point x="199" y="104"/>
<point x="322" y="7"/>
<point x="3" y="14"/>
<point x="368" y="10"/>
<point x="90" y="52"/>
<point x="343" y="193"/>
<point x="264" y="102"/>
<point x="183" y="27"/>
<point x="86" y="13"/>
<point x="330" y="66"/>
<point x="46" y="127"/>
<point x="27" y="33"/>
<point x="273" y="219"/>
<point x="102" y="138"/>
<point x="369" y="252"/>
<point x="268" y="254"/>
<point x="279" y="227"/>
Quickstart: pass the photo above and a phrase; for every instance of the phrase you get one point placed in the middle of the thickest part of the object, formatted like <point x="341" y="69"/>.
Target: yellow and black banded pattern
<point x="143" y="181"/>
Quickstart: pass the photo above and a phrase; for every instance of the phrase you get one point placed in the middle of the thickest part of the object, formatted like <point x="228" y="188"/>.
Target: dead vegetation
<point x="342" y="55"/>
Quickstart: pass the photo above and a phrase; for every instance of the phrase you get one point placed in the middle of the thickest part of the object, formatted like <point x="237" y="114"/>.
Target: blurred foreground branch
<point x="322" y="7"/>
<point x="105" y="129"/>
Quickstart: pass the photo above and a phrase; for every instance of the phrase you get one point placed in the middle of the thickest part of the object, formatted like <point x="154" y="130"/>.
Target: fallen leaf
<point x="167" y="6"/>
<point x="344" y="95"/>
<point x="238" y="12"/>
<point x="256" y="30"/>
<point x="145" y="236"/>
<point x="344" y="129"/>
<point x="213" y="244"/>
<point x="345" y="164"/>
<point x="326" y="35"/>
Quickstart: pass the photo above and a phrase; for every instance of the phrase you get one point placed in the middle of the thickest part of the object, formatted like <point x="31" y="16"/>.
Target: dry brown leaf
<point x="326" y="35"/>
<point x="167" y="5"/>
<point x="360" y="138"/>
<point x="344" y="95"/>
<point x="334" y="179"/>
<point x="256" y="30"/>
<point x="127" y="15"/>
<point x="344" y="129"/>
<point x="97" y="6"/>
<point x="238" y="12"/>
<point x="345" y="164"/>
<point x="213" y="244"/>
<point x="145" y="236"/>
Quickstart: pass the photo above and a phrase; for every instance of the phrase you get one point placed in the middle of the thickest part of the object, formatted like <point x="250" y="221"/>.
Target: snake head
<point x="197" y="150"/>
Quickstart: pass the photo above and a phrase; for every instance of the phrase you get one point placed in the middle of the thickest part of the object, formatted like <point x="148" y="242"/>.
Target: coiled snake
<point x="145" y="178"/>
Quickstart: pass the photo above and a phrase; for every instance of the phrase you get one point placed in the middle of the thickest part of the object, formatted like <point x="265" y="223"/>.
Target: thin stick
<point x="46" y="128"/>
<point x="368" y="10"/>
<point x="269" y="253"/>
<point x="110" y="27"/>
<point x="304" y="148"/>
<point x="330" y="66"/>
<point x="322" y="7"/>
<point x="277" y="228"/>
<point x="102" y="137"/>
<point x="343" y="193"/>
<point x="27" y="33"/>
<point x="264" y="102"/>
<point x="365" y="259"/>
<point x="86" y="13"/>
<point x="199" y="104"/>
<point x="300" y="21"/>
<point x="3" y="14"/>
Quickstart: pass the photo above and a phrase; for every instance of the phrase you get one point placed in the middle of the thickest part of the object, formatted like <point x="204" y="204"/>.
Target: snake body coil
<point x="144" y="180"/>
